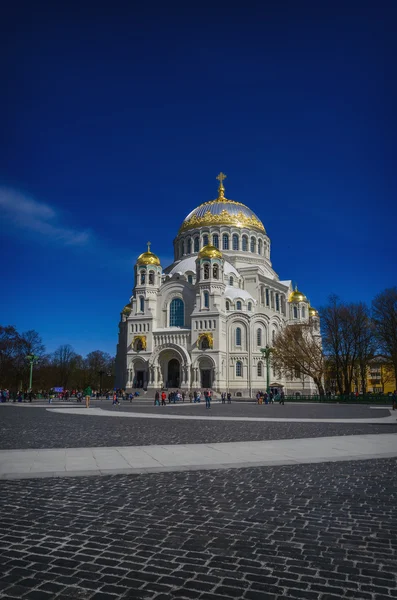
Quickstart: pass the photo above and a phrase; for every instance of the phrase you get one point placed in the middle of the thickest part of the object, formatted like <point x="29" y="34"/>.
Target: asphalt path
<point x="27" y="427"/>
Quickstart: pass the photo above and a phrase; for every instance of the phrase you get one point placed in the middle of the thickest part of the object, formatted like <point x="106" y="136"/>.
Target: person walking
<point x="87" y="394"/>
<point x="183" y="396"/>
<point x="229" y="398"/>
<point x="163" y="398"/>
<point x="223" y="396"/>
<point x="157" y="399"/>
<point x="198" y="396"/>
<point x="190" y="397"/>
<point x="282" y="398"/>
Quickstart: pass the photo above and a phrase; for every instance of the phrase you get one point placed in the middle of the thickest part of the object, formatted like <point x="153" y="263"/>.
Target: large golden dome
<point x="148" y="258"/>
<point x="222" y="212"/>
<point x="209" y="252"/>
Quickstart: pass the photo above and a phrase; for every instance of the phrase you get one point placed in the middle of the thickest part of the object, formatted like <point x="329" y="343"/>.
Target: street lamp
<point x="266" y="355"/>
<point x="101" y="373"/>
<point x="31" y="358"/>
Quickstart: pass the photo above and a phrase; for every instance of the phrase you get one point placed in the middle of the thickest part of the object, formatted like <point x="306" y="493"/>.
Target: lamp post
<point x="266" y="355"/>
<point x="31" y="358"/>
<point x="101" y="373"/>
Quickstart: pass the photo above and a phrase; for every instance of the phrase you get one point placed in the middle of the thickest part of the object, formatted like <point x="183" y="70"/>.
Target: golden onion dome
<point x="209" y="252"/>
<point x="222" y="212"/>
<point x="148" y="258"/>
<point x="312" y="312"/>
<point x="127" y="310"/>
<point x="297" y="296"/>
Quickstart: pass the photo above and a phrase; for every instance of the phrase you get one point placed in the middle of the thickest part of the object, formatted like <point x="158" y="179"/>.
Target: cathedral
<point x="206" y="320"/>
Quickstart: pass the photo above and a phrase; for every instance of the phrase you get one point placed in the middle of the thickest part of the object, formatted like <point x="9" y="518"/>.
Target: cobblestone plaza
<point x="315" y="530"/>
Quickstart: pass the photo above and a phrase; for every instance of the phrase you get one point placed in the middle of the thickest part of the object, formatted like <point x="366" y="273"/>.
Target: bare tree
<point x="384" y="317"/>
<point x="297" y="349"/>
<point x="33" y="342"/>
<point x="348" y="342"/>
<point x="64" y="360"/>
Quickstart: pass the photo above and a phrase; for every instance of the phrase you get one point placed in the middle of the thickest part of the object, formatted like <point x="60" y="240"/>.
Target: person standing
<point x="190" y="397"/>
<point x="229" y="398"/>
<point x="183" y="396"/>
<point x="87" y="394"/>
<point x="282" y="398"/>
<point x="223" y="396"/>
<point x="394" y="400"/>
<point x="207" y="399"/>
<point x="163" y="397"/>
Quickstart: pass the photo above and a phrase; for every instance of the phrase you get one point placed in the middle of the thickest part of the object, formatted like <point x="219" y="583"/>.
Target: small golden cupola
<point x="209" y="251"/>
<point x="312" y="312"/>
<point x="148" y="258"/>
<point x="127" y="310"/>
<point x="297" y="296"/>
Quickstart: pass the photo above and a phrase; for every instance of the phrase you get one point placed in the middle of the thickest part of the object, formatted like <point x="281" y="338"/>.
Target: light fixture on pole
<point x="266" y="355"/>
<point x="31" y="358"/>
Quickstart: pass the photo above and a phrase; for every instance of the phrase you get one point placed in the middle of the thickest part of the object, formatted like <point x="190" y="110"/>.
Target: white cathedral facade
<point x="202" y="321"/>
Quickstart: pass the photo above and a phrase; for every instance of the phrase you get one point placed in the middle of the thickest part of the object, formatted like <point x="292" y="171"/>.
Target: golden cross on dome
<point x="148" y="246"/>
<point x="221" y="189"/>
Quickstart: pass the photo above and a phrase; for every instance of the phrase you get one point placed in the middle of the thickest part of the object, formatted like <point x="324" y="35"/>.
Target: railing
<point x="367" y="399"/>
<point x="181" y="339"/>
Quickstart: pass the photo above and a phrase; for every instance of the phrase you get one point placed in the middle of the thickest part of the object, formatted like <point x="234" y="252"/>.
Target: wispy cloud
<point x="30" y="215"/>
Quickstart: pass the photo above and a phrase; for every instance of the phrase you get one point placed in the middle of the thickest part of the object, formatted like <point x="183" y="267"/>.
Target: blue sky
<point x="116" y="120"/>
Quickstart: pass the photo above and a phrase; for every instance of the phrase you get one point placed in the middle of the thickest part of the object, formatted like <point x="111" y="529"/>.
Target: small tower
<point x="147" y="281"/>
<point x="209" y="277"/>
<point x="298" y="307"/>
<point x="314" y="320"/>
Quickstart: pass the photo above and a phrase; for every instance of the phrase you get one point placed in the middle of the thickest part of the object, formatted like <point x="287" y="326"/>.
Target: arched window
<point x="231" y="280"/>
<point x="259" y="337"/>
<point x="196" y="244"/>
<point x="182" y="248"/>
<point x="141" y="303"/>
<point x="262" y="295"/>
<point x="225" y="241"/>
<point x="227" y="305"/>
<point x="249" y="306"/>
<point x="189" y="246"/>
<point x="244" y="243"/>
<point x="205" y="240"/>
<point x="259" y="246"/>
<point x="215" y="271"/>
<point x="138" y="345"/>
<point x="143" y="277"/>
<point x="238" y="336"/>
<point x="235" y="241"/>
<point x="259" y="369"/>
<point x="303" y="312"/>
<point x="277" y="302"/>
<point x="267" y="297"/>
<point x="206" y="271"/>
<point x="206" y="300"/>
<point x="239" y="368"/>
<point x="273" y="335"/>
<point x="295" y="312"/>
<point x="238" y="305"/>
<point x="253" y="244"/>
<point x="190" y="278"/>
<point x="151" y="277"/>
<point x="215" y="240"/>
<point x="177" y="313"/>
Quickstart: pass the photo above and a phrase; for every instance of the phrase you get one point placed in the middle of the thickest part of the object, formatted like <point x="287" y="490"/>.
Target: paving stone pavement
<point x="23" y="428"/>
<point x="311" y="532"/>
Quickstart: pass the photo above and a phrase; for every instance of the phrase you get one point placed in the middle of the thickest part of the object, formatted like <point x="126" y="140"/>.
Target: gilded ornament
<point x="208" y="337"/>
<point x="139" y="342"/>
<point x="223" y="218"/>
<point x="312" y="312"/>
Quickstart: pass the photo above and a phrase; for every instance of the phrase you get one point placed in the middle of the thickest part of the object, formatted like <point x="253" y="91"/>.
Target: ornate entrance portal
<point x="174" y="373"/>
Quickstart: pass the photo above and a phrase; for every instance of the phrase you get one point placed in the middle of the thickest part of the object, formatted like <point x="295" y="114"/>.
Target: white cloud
<point x="30" y="215"/>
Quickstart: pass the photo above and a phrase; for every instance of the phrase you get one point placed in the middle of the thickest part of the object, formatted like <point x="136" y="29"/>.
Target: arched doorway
<point x="206" y="372"/>
<point x="174" y="373"/>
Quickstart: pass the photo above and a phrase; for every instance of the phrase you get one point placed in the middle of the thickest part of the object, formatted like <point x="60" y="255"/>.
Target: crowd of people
<point x="270" y="397"/>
